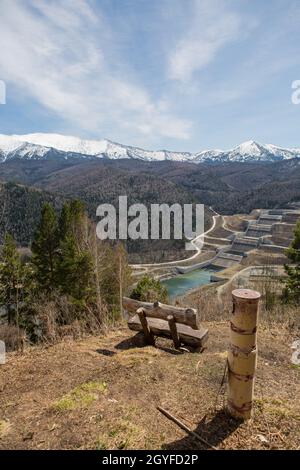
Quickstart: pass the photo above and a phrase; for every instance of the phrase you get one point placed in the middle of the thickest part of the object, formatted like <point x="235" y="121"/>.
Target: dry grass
<point x="13" y="337"/>
<point x="236" y="222"/>
<point x="121" y="433"/>
<point x="208" y="305"/>
<point x="81" y="396"/>
<point x="4" y="428"/>
<point x="102" y="393"/>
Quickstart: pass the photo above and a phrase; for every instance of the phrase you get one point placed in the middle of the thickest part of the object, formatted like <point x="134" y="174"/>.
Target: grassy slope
<point x="102" y="393"/>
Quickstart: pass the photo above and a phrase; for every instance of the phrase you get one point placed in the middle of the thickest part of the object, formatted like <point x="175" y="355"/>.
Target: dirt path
<point x="102" y="393"/>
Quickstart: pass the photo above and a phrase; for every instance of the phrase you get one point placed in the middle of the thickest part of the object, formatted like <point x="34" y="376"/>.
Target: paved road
<point x="199" y="239"/>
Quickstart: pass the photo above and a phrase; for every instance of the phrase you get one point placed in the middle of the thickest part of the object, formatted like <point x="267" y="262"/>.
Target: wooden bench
<point x="156" y="319"/>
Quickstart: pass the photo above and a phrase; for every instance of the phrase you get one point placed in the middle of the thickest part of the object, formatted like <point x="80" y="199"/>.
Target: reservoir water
<point x="182" y="283"/>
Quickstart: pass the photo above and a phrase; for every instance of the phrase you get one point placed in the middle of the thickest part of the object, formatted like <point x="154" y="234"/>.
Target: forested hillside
<point x="228" y="187"/>
<point x="20" y="210"/>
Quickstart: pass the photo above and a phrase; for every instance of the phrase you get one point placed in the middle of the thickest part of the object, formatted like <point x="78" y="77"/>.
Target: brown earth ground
<point x="102" y="393"/>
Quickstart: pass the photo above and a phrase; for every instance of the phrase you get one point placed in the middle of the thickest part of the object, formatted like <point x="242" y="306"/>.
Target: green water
<point x="182" y="283"/>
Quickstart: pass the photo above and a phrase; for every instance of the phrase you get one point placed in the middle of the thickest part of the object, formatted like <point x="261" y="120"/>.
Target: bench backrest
<point x="185" y="316"/>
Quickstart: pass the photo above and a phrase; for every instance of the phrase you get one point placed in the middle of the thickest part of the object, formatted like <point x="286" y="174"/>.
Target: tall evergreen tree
<point x="14" y="278"/>
<point x="45" y="248"/>
<point x="73" y="221"/>
<point x="292" y="283"/>
<point x="64" y="221"/>
<point x="75" y="271"/>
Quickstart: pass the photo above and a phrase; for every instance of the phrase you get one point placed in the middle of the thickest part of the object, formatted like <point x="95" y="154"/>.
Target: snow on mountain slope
<point x="281" y="152"/>
<point x="208" y="155"/>
<point x="249" y="148"/>
<point x="39" y="146"/>
<point x="8" y="143"/>
<point x="249" y="151"/>
<point x="65" y="143"/>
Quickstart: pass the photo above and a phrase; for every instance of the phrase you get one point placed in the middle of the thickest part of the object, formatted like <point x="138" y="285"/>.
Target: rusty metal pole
<point x="242" y="354"/>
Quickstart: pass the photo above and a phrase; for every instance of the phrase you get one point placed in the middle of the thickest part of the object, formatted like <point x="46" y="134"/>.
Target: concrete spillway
<point x="242" y="245"/>
<point x="225" y="260"/>
<point x="268" y="219"/>
<point x="258" y="231"/>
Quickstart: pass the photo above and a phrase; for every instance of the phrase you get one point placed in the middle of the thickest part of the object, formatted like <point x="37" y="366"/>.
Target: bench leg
<point x="148" y="335"/>
<point x="173" y="330"/>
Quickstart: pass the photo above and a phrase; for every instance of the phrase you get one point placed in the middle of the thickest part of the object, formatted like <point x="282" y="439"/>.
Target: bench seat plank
<point x="159" y="327"/>
<point x="186" y="316"/>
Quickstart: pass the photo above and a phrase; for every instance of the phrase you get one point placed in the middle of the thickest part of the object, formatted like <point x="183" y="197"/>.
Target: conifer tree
<point x="64" y="221"/>
<point x="14" y="278"/>
<point x="45" y="249"/>
<point x="75" y="273"/>
<point x="73" y="220"/>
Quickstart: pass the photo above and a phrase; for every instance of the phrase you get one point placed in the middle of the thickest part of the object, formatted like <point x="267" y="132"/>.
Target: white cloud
<point x="59" y="54"/>
<point x="212" y="27"/>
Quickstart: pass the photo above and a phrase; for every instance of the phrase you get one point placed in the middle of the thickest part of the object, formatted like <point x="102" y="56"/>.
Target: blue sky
<point x="173" y="74"/>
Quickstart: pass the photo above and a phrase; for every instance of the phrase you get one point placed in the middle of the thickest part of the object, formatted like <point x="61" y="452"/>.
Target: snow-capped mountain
<point x="36" y="146"/>
<point x="252" y="151"/>
<point x="45" y="146"/>
<point x="249" y="151"/>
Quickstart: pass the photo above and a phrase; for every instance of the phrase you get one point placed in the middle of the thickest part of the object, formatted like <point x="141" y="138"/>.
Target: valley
<point x="228" y="188"/>
<point x="251" y="204"/>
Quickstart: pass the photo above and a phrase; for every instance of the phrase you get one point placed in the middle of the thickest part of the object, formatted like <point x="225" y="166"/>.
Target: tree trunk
<point x="242" y="352"/>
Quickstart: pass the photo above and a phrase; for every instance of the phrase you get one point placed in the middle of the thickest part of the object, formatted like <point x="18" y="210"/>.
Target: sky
<point x="183" y="75"/>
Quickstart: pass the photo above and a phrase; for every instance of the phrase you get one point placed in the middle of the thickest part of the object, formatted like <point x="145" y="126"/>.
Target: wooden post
<point x="173" y="330"/>
<point x="148" y="335"/>
<point x="242" y="354"/>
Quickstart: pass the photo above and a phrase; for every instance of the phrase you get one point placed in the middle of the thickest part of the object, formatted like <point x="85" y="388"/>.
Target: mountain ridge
<point x="44" y="146"/>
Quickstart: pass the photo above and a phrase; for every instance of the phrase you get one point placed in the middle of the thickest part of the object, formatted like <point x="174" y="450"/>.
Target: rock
<point x="262" y="438"/>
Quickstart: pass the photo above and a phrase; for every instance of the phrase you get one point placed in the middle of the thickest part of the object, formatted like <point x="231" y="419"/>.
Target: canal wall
<point x="193" y="267"/>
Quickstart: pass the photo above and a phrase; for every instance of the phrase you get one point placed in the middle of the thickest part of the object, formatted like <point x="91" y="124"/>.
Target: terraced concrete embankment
<point x="242" y="244"/>
<point x="268" y="219"/>
<point x="281" y="224"/>
<point x="225" y="260"/>
<point x="270" y="231"/>
<point x="255" y="230"/>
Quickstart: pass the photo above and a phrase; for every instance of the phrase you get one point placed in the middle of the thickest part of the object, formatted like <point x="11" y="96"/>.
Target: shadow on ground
<point x="106" y="352"/>
<point x="138" y="341"/>
<point x="214" y="431"/>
